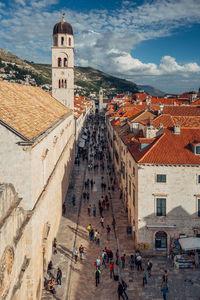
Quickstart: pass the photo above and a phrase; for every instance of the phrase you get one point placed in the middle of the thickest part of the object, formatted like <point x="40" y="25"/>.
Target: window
<point x="65" y="62"/>
<point x="55" y="41"/>
<point x="62" y="40"/>
<point x="133" y="171"/>
<point x="69" y="41"/>
<point x="59" y="84"/>
<point x="198" y="179"/>
<point x="197" y="149"/>
<point x="59" y="62"/>
<point x="161" y="178"/>
<point x="198" y="207"/>
<point x="133" y="197"/>
<point x="65" y="83"/>
<point x="62" y="83"/>
<point x="161" y="207"/>
<point x="129" y="188"/>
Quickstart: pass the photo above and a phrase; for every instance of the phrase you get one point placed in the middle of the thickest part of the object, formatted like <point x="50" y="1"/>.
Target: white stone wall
<point x="13" y="241"/>
<point x="15" y="163"/>
<point x="53" y="144"/>
<point x="43" y="191"/>
<point x="181" y="192"/>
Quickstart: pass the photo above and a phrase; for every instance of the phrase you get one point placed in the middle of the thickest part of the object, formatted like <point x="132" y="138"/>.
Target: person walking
<point x="124" y="288"/>
<point x="144" y="279"/>
<point x="59" y="276"/>
<point x="165" y="277"/>
<point x="111" y="269"/>
<point x="81" y="251"/>
<point x="97" y="273"/>
<point x="98" y="263"/>
<point x="95" y="235"/>
<point x="123" y="260"/>
<point x="120" y="291"/>
<point x="139" y="262"/>
<point x="54" y="246"/>
<point x="149" y="267"/>
<point x="131" y="262"/>
<point x="89" y="210"/>
<point x="108" y="232"/>
<point x="117" y="257"/>
<point x="92" y="235"/>
<point x="76" y="253"/>
<point x="98" y="238"/>
<point x="164" y="290"/>
<point x="104" y="258"/>
<point x="102" y="221"/>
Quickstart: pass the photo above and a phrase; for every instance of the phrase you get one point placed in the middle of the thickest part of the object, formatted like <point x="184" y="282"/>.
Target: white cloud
<point x="103" y="39"/>
<point x="21" y="2"/>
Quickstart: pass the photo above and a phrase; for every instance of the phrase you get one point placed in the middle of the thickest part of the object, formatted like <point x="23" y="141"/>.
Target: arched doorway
<point x="160" y="240"/>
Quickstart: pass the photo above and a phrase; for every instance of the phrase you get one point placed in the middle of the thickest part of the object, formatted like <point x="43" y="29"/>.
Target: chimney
<point x="177" y="129"/>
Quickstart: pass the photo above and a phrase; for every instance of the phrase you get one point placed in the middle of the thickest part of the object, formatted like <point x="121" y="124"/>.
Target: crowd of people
<point x="97" y="159"/>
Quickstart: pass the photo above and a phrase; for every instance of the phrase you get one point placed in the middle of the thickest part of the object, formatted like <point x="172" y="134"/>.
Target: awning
<point x="190" y="243"/>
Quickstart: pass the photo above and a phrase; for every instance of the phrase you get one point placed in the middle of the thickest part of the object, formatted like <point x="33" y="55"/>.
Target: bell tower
<point x="63" y="64"/>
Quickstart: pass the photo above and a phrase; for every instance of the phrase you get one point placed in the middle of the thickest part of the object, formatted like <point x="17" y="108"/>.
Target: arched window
<point x="70" y="41"/>
<point x="59" y="84"/>
<point x="65" y="83"/>
<point x="59" y="62"/>
<point x="161" y="240"/>
<point x="65" y="62"/>
<point x="62" y="83"/>
<point x="62" y="40"/>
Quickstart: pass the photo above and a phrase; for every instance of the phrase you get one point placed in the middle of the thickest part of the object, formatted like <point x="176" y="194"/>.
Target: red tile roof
<point x="185" y="110"/>
<point x="169" y="148"/>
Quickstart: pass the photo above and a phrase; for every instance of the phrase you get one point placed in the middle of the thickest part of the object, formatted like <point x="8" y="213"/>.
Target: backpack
<point x="150" y="264"/>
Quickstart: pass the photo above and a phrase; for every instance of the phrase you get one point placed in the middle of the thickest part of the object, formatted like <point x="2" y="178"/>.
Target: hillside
<point x="151" y="90"/>
<point x="87" y="80"/>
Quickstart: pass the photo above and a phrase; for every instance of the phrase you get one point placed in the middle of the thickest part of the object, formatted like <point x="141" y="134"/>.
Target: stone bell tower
<point x="101" y="100"/>
<point x="63" y="64"/>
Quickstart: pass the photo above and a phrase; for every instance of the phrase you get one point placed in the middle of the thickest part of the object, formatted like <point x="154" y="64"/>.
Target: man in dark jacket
<point x="97" y="273"/>
<point x="124" y="288"/>
<point x="120" y="291"/>
<point x="59" y="276"/>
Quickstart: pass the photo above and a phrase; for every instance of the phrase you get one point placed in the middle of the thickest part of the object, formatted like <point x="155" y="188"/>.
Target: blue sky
<point x="151" y="42"/>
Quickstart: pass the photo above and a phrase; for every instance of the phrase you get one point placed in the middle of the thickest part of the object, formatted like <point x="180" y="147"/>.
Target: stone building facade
<point x="37" y="153"/>
<point x="159" y="158"/>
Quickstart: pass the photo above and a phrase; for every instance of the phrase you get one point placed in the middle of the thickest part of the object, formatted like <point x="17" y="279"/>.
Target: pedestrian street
<point x="79" y="282"/>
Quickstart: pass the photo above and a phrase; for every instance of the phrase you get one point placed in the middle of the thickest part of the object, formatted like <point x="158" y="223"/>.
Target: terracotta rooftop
<point x="169" y="148"/>
<point x="185" y="110"/>
<point x="169" y="121"/>
<point x="29" y="110"/>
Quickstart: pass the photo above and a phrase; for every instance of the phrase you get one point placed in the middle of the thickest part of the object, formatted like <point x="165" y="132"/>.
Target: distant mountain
<point x="87" y="80"/>
<point x="151" y="90"/>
